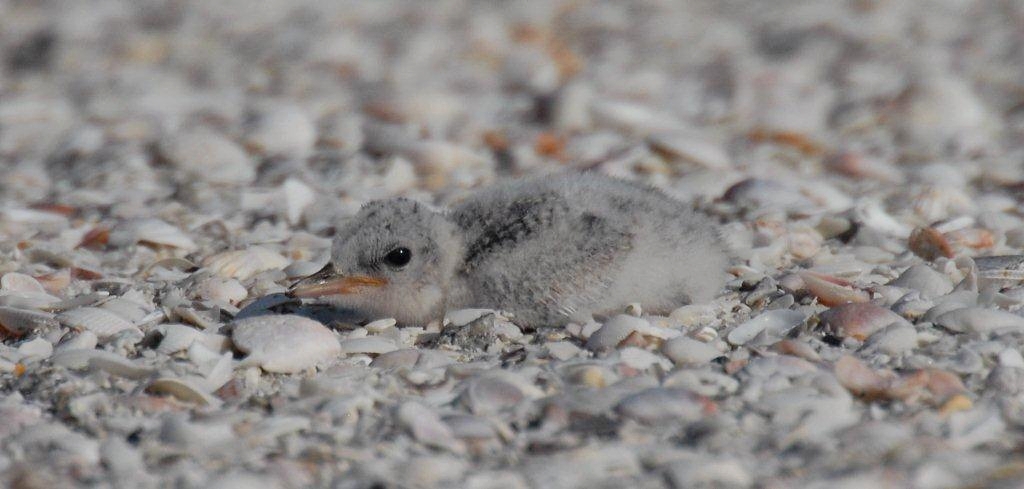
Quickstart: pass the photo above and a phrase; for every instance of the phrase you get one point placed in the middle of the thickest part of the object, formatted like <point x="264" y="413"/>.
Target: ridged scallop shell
<point x="100" y="321"/>
<point x="244" y="264"/>
<point x="284" y="344"/>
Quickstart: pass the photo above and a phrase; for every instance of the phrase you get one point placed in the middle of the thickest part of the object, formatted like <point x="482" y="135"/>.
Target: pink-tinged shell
<point x="832" y="291"/>
<point x="975" y="238"/>
<point x="860" y="379"/>
<point x="858" y="320"/>
<point x="929" y="244"/>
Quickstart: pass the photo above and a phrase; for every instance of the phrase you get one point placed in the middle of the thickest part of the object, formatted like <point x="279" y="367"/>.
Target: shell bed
<point x="169" y="168"/>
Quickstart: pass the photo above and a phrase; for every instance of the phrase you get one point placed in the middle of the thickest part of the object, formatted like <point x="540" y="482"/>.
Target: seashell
<point x="427" y="427"/>
<point x="832" y="291"/>
<point x="183" y="390"/>
<point x="614" y="331"/>
<point x="940" y="111"/>
<point x="462" y="317"/>
<point x="18" y="322"/>
<point x="85" y="340"/>
<point x="284" y="344"/>
<point x="894" y="340"/>
<point x="55" y="282"/>
<point x="297" y="196"/>
<point x="631" y="118"/>
<point x="641" y="359"/>
<point x="406" y="358"/>
<point x="283" y="130"/>
<point x="491" y="394"/>
<point x="979" y="320"/>
<point x="774" y="324"/>
<point x="803" y="242"/>
<point x="152" y="232"/>
<point x="860" y="165"/>
<point x="755" y="193"/>
<point x="342" y="132"/>
<point x="374" y="345"/>
<point x="561" y="350"/>
<point x="222" y="290"/>
<point x="872" y="215"/>
<point x="685" y="351"/>
<point x="301" y="269"/>
<point x="797" y="349"/>
<point x="244" y="264"/>
<point x="1010" y="267"/>
<point x="925" y="280"/>
<point x="929" y="244"/>
<point x="858" y="320"/>
<point x="472" y="428"/>
<point x="126" y="308"/>
<point x="694" y="315"/>
<point x="37" y="347"/>
<point x="710" y="472"/>
<point x="691" y="148"/>
<point x="660" y="405"/>
<point x="100" y="321"/>
<point x="177" y="337"/>
<point x="380" y="325"/>
<point x="974" y="238"/>
<point x="21" y="300"/>
<point x="21" y="283"/>
<point x="860" y="379"/>
<point x="80" y="359"/>
<point x="204" y="154"/>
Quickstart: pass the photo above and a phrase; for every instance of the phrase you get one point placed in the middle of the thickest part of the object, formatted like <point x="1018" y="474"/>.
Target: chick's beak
<point x="328" y="282"/>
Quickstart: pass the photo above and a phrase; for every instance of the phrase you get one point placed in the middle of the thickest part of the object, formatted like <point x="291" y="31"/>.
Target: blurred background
<point x="109" y="105"/>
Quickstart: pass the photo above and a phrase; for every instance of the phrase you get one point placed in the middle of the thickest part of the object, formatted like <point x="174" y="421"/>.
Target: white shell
<point x="177" y="337"/>
<point x="209" y="156"/>
<point x="244" y="264"/>
<point x="981" y="320"/>
<point x="282" y="130"/>
<point x="100" y="321"/>
<point x="371" y="344"/>
<point x="19" y="282"/>
<point x="21" y="321"/>
<point x="687" y="351"/>
<point x="36" y="348"/>
<point x="774" y="323"/>
<point x="285" y="343"/>
<point x="151" y="231"/>
<point x="183" y="390"/>
<point x="223" y="290"/>
<point x="297" y="196"/>
<point x="86" y="340"/>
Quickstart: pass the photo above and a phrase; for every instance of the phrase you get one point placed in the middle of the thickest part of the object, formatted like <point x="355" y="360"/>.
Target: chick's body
<point x="548" y="250"/>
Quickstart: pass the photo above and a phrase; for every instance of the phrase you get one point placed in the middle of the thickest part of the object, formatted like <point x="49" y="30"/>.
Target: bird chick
<point x="548" y="250"/>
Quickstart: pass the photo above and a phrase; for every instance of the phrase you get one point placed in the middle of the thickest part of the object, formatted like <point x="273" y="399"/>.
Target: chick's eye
<point x="398" y="257"/>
